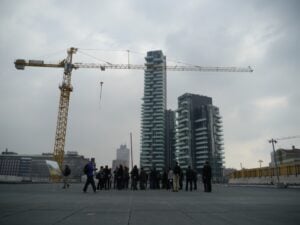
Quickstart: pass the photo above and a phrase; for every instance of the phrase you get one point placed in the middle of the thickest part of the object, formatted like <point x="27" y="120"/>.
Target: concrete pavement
<point x="50" y="204"/>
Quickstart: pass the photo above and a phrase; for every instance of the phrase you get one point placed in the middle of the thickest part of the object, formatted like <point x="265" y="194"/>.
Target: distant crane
<point x="66" y="88"/>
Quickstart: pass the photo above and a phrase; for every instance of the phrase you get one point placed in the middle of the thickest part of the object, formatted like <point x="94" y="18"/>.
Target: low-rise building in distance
<point x="39" y="167"/>
<point x="286" y="156"/>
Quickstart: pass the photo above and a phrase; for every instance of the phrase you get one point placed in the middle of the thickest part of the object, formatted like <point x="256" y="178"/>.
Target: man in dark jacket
<point x="120" y="177"/>
<point x="176" y="176"/>
<point x="189" y="178"/>
<point x="195" y="179"/>
<point x="206" y="177"/>
<point x="90" y="168"/>
<point x="134" y="177"/>
<point x="143" y="179"/>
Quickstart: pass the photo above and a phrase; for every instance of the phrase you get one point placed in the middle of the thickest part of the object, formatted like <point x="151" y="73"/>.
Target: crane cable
<point x="286" y="138"/>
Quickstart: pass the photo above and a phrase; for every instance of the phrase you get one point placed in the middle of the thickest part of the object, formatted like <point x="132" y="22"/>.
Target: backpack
<point x="85" y="169"/>
<point x="67" y="171"/>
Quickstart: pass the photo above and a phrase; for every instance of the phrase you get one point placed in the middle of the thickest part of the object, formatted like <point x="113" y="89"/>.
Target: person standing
<point x="120" y="178"/>
<point x="152" y="177"/>
<point x="126" y="177"/>
<point x="101" y="178"/>
<point x="143" y="179"/>
<point x="66" y="173"/>
<point x="181" y="177"/>
<point x="164" y="180"/>
<point x="176" y="176"/>
<point x="170" y="179"/>
<point x="195" y="179"/>
<point x="206" y="177"/>
<point x="134" y="178"/>
<point x="108" y="178"/>
<point x="89" y="171"/>
<point x="189" y="178"/>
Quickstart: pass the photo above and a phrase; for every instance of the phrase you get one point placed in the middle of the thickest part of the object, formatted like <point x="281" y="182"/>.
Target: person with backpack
<point x="89" y="171"/>
<point x="66" y="173"/>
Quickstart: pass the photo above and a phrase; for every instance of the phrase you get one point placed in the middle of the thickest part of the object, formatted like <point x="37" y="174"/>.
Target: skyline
<point x="255" y="107"/>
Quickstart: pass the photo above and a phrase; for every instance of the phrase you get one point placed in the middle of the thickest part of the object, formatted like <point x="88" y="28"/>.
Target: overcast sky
<point x="255" y="106"/>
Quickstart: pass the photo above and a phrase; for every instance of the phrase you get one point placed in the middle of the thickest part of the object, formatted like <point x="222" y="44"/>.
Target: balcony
<point x="201" y="147"/>
<point x="201" y="152"/>
<point x="200" y="120"/>
<point x="202" y="143"/>
<point x="201" y="128"/>
<point x="202" y="138"/>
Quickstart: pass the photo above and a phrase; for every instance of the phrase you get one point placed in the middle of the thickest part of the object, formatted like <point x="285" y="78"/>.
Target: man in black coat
<point x="143" y="179"/>
<point x="189" y="178"/>
<point x="134" y="177"/>
<point x="206" y="177"/>
<point x="176" y="176"/>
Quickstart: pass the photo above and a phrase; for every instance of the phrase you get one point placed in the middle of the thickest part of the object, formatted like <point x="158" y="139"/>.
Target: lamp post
<point x="275" y="160"/>
<point x="260" y="162"/>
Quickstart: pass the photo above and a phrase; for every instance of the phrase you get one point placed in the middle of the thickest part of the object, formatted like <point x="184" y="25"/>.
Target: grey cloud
<point x="264" y="34"/>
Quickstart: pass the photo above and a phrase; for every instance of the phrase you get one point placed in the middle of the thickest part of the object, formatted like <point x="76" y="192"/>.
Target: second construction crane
<point x="66" y="87"/>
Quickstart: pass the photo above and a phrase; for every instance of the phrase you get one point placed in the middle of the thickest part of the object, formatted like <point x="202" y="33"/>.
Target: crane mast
<point x="66" y="87"/>
<point x="62" y="118"/>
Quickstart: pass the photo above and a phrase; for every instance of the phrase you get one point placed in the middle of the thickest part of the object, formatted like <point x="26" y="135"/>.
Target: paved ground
<point x="44" y="204"/>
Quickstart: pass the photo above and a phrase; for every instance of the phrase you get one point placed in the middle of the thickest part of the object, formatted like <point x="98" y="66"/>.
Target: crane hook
<point x="101" y="83"/>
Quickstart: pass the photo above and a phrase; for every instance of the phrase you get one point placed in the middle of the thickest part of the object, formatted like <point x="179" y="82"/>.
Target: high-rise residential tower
<point x="122" y="157"/>
<point x="153" y="112"/>
<point x="199" y="134"/>
<point x="170" y="139"/>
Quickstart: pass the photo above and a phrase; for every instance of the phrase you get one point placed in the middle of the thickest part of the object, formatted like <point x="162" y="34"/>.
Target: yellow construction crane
<point x="66" y="87"/>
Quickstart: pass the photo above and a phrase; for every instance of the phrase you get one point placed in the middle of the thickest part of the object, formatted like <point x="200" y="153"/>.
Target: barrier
<point x="288" y="174"/>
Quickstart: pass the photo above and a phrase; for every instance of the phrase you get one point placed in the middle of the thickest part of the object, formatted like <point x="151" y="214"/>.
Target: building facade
<point x="38" y="168"/>
<point x="122" y="157"/>
<point x="199" y="134"/>
<point x="286" y="156"/>
<point x="123" y="154"/>
<point x="153" y="112"/>
<point x="170" y="140"/>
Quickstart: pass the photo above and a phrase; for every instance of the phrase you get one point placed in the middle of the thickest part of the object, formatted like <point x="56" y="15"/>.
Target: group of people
<point x="170" y="179"/>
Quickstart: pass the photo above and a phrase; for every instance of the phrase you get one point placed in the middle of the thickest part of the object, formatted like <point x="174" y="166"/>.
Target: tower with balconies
<point x="199" y="134"/>
<point x="153" y="112"/>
